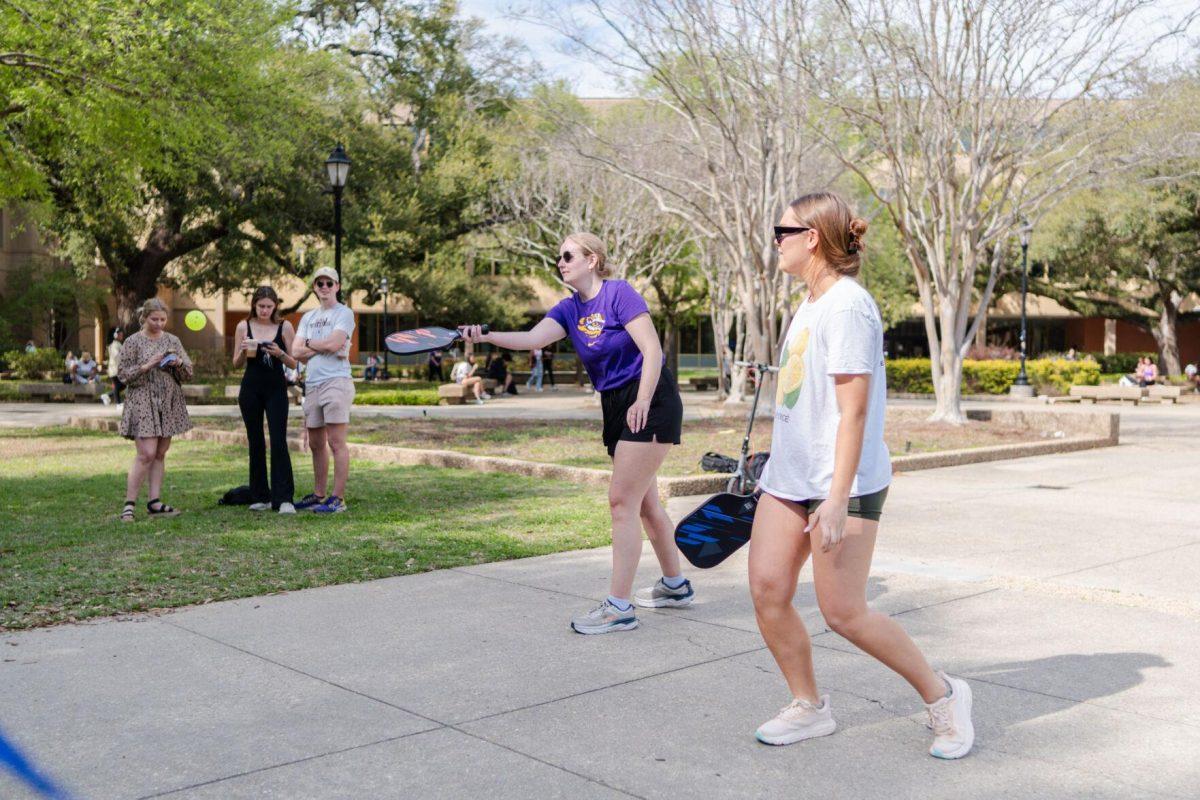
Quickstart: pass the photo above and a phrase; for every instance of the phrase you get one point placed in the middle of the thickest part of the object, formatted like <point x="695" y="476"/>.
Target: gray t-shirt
<point x="320" y="323"/>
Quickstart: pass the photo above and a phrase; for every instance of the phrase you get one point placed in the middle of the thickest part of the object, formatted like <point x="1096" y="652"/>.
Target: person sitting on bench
<point x="464" y="373"/>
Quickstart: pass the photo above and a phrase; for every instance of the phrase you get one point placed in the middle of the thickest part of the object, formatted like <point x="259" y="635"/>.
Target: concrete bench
<point x="1120" y="394"/>
<point x="1164" y="394"/>
<point x="76" y="391"/>
<point x="196" y="391"/>
<point x="705" y="383"/>
<point x="455" y="394"/>
<point x="1095" y="394"/>
<point x="1078" y="394"/>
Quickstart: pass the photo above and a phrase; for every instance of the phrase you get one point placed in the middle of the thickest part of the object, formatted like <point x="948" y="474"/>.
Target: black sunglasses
<point x="783" y="231"/>
<point x="323" y="284"/>
<point x="565" y="257"/>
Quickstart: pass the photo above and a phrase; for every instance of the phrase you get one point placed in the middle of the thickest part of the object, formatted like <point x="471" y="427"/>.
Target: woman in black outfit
<point x="263" y="343"/>
<point x="548" y="367"/>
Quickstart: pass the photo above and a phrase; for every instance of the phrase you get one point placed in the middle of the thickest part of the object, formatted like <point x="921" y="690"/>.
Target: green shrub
<point x="909" y="375"/>
<point x="995" y="376"/>
<point x="30" y="366"/>
<point x="398" y="397"/>
<point x="1060" y="375"/>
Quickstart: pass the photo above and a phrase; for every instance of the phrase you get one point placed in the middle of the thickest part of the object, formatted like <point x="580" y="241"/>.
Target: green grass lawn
<point x="65" y="556"/>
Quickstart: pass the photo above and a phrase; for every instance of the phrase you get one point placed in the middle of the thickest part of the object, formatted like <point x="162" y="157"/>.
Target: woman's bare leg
<point x="635" y="465"/>
<point x="778" y="550"/>
<point x="660" y="531"/>
<point x="840" y="577"/>
<point x="147" y="449"/>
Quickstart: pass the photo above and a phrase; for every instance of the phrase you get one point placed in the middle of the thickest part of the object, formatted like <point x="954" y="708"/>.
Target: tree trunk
<point x="671" y="345"/>
<point x="947" y="386"/>
<point x="130" y="295"/>
<point x="1165" y="335"/>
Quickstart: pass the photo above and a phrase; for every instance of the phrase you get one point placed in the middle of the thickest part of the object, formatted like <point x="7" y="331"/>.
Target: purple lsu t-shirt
<point x="597" y="330"/>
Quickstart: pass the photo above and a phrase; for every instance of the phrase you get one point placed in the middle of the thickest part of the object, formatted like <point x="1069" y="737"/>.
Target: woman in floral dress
<point x="153" y="367"/>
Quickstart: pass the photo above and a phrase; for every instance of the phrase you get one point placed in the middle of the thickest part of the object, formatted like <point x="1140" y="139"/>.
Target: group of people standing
<point x="822" y="493"/>
<point x="824" y="486"/>
<point x="153" y="366"/>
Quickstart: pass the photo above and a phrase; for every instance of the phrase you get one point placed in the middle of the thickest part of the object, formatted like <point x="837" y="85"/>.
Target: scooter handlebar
<point x="759" y="367"/>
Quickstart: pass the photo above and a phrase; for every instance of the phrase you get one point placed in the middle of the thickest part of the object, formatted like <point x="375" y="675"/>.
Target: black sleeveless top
<point x="265" y="366"/>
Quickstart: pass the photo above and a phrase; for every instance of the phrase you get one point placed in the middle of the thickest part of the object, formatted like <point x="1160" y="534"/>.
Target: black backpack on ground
<point x="240" y="496"/>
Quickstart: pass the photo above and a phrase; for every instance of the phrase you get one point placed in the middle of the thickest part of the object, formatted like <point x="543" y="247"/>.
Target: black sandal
<point x="163" y="509"/>
<point x="127" y="511"/>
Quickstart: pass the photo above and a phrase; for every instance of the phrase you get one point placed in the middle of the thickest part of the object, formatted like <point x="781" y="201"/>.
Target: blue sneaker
<point x="309" y="502"/>
<point x="332" y="505"/>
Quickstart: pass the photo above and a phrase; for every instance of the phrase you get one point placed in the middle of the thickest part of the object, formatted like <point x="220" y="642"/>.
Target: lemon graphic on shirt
<point x="791" y="374"/>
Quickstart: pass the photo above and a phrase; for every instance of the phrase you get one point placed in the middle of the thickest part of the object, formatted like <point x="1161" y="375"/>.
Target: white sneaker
<point x="260" y="506"/>
<point x="950" y="719"/>
<point x="105" y="399"/>
<point x="797" y="721"/>
<point x="478" y="401"/>
<point x="287" y="508"/>
<point x="487" y="396"/>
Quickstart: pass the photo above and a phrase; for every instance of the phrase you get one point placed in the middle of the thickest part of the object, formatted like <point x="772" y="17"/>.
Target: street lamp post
<point x="338" y="167"/>
<point x="1021" y="387"/>
<point x="383" y="288"/>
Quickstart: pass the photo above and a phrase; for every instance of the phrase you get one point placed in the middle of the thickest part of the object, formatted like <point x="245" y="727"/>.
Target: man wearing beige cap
<point x="323" y="343"/>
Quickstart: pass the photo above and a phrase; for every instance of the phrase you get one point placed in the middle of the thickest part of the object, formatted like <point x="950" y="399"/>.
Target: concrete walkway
<point x="569" y="403"/>
<point x="1062" y="587"/>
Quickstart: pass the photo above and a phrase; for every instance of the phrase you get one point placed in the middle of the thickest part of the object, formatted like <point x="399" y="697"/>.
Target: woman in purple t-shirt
<point x="610" y="327"/>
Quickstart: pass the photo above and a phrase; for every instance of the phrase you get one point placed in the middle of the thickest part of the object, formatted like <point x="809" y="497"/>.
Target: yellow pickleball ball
<point x="195" y="320"/>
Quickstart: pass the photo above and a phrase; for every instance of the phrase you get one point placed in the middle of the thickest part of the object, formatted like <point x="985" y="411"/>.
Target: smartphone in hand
<point x="169" y="360"/>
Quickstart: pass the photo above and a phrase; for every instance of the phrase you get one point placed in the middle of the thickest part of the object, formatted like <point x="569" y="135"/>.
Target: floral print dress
<point x="154" y="403"/>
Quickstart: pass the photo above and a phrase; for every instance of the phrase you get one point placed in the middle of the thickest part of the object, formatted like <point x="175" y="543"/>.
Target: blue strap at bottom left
<point x="11" y="759"/>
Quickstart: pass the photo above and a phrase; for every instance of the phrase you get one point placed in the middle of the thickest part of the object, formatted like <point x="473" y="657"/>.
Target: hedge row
<point x="398" y="397"/>
<point x="994" y="377"/>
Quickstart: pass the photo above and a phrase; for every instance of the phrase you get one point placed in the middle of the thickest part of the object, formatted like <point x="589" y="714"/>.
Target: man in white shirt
<point x="322" y="343"/>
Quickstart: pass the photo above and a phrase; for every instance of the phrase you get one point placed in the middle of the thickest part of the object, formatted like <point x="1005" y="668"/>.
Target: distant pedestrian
<point x="114" y="366"/>
<point x="434" y="367"/>
<point x="548" y="366"/>
<point x="535" y="369"/>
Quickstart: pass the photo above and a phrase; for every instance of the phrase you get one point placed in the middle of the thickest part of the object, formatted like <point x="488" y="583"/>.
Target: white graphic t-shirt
<point x="320" y="323"/>
<point x="841" y="333"/>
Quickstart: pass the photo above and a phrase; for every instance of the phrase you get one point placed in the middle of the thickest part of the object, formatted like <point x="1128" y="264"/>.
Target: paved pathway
<point x="1062" y="587"/>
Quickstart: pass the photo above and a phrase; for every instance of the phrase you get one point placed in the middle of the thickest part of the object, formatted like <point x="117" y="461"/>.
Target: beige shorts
<point x="328" y="403"/>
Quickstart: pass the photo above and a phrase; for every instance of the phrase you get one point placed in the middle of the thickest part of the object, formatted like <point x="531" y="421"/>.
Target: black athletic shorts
<point x="663" y="423"/>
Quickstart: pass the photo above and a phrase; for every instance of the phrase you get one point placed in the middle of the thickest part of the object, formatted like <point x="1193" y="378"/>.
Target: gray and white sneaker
<point x="260" y="506"/>
<point x="662" y="596"/>
<point x="605" y="618"/>
<point x="797" y="721"/>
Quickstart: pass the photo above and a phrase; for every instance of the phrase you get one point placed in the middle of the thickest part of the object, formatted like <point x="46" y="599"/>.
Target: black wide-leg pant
<point x="270" y="397"/>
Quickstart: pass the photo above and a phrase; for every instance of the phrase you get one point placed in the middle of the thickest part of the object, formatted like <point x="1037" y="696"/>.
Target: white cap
<point x="326" y="272"/>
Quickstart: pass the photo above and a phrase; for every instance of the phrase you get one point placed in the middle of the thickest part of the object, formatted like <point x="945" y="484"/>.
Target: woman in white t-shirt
<point x="824" y="486"/>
